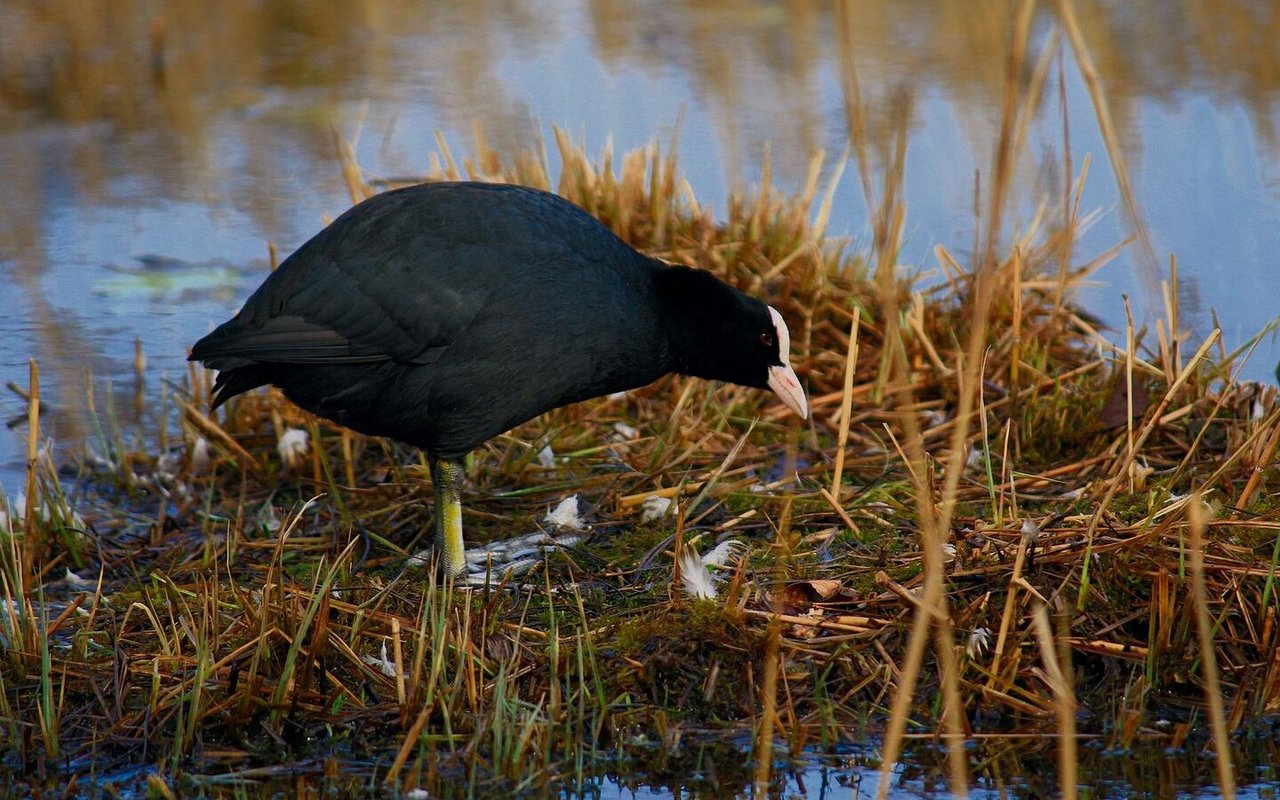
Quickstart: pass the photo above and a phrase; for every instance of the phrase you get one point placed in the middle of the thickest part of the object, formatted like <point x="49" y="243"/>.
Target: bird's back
<point x="443" y="314"/>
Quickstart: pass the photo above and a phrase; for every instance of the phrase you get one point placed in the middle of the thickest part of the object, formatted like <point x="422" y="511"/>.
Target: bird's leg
<point x="499" y="559"/>
<point x="446" y="476"/>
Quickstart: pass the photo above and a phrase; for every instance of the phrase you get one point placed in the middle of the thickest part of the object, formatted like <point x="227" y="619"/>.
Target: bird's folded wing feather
<point x="290" y="339"/>
<point x="398" y="278"/>
<point x="351" y="309"/>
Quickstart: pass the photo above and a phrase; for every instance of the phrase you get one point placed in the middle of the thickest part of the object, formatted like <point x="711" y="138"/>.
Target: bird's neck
<point x="682" y="296"/>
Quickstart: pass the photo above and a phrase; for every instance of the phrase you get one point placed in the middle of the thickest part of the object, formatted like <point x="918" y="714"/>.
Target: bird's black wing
<point x="397" y="278"/>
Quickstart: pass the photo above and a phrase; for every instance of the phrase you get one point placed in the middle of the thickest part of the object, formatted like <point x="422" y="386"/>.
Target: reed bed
<point x="996" y="523"/>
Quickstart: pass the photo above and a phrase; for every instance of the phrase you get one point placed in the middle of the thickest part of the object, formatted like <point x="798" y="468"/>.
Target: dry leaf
<point x="1114" y="411"/>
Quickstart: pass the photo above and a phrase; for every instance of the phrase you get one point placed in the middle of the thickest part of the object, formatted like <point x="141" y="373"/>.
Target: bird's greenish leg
<point x="446" y="476"/>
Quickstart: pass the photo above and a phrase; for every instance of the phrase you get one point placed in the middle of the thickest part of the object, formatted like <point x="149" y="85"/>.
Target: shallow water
<point x="999" y="768"/>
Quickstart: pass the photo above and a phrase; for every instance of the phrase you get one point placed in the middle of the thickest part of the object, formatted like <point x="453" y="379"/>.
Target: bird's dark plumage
<point x="444" y="314"/>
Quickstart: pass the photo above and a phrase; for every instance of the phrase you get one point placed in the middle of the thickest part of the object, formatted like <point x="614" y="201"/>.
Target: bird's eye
<point x="766" y="339"/>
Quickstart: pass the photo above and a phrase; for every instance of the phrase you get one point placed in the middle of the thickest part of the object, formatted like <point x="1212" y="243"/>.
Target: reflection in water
<point x="153" y="92"/>
<point x="1014" y="767"/>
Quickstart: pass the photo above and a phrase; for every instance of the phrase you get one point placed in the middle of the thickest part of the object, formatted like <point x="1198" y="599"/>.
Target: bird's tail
<point x="231" y="382"/>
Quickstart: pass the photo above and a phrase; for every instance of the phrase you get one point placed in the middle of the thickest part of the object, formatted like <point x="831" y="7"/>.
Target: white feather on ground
<point x="293" y="446"/>
<point x="979" y="643"/>
<point x="566" y="515"/>
<point x="695" y="570"/>
<point x="694" y="574"/>
<point x="77" y="584"/>
<point x="381" y="662"/>
<point x="1030" y="532"/>
<point x="200" y="454"/>
<point x="547" y="457"/>
<point x="721" y="553"/>
<point x="654" y="507"/>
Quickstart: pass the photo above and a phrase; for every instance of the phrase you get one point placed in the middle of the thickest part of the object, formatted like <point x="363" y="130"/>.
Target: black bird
<point x="443" y="314"/>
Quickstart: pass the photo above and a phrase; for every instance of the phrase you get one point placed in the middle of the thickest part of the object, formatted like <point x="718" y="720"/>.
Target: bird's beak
<point x="782" y="378"/>
<point x="784" y="383"/>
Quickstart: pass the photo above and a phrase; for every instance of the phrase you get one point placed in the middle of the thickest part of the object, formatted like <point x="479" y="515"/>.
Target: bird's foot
<point x="501" y="560"/>
<point x="509" y="558"/>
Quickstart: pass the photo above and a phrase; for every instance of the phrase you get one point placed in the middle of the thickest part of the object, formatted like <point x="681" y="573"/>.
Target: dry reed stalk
<point x="935" y="522"/>
<point x="1015" y="289"/>
<point x="1173" y="311"/>
<point x="410" y="740"/>
<point x="1266" y="457"/>
<point x="846" y="404"/>
<point x="1123" y="465"/>
<point x="843" y="623"/>
<point x="768" y="709"/>
<point x="215" y="432"/>
<point x="1070" y="210"/>
<point x="33" y="534"/>
<point x="1110" y="136"/>
<point x="836" y="507"/>
<point x="887" y="227"/>
<point x="677" y="581"/>
<point x="1057" y="666"/>
<point x="139" y="377"/>
<point x="450" y="166"/>
<point x="1208" y="653"/>
<point x="357" y="189"/>
<point x="631" y="501"/>
<point x="348" y="466"/>
<point x="1007" y="617"/>
<point x="1130" y="346"/>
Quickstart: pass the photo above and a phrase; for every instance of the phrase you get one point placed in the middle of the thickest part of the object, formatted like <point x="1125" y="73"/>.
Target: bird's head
<point x="718" y="333"/>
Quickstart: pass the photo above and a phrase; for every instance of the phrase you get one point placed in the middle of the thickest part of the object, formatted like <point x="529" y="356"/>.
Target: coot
<point x="443" y="314"/>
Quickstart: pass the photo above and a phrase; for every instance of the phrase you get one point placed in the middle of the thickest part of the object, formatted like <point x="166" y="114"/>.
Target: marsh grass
<point x="995" y="523"/>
